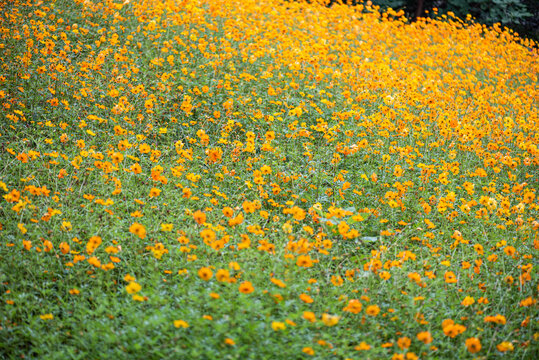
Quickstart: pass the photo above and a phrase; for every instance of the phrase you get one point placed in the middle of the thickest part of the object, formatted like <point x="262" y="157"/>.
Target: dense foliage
<point x="262" y="179"/>
<point x="519" y="15"/>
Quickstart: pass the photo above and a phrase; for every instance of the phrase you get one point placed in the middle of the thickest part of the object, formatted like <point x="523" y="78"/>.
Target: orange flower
<point x="425" y="337"/>
<point x="138" y="229"/>
<point x="200" y="217"/>
<point x="208" y="235"/>
<point x="154" y="192"/>
<point x="248" y="207"/>
<point x="362" y="346"/>
<point x="450" y="277"/>
<point x="205" y="273"/>
<point x="397" y="171"/>
<point x="473" y="345"/>
<point x="94" y="261"/>
<point x="404" y="342"/>
<point x="246" y="287"/>
<point x="93" y="244"/>
<point x="452" y="330"/>
<point x="144" y="148"/>
<point x="222" y="275"/>
<point x="372" y="310"/>
<point x="278" y="282"/>
<point x="228" y="212"/>
<point x="304" y="261"/>
<point x="309" y="316"/>
<point x="64" y="247"/>
<point x="135" y="168"/>
<point x="117" y="157"/>
<point x="354" y="306"/>
<point x="306" y="298"/>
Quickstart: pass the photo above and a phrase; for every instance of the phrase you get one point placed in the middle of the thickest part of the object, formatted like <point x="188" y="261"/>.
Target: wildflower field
<point x="225" y="179"/>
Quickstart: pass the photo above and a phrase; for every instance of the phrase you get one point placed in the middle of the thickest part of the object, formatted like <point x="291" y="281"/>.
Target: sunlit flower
<point x="372" y="310"/>
<point x="133" y="287"/>
<point x="180" y="324"/>
<point x="473" y="345"/>
<point x="205" y="273"/>
<point x="246" y="287"/>
<point x="330" y="320"/>
<point x="138" y="229"/>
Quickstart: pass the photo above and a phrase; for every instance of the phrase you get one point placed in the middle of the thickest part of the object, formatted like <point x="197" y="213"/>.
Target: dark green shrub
<point x="520" y="15"/>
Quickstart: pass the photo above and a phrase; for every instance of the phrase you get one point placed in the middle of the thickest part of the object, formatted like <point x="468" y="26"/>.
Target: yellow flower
<point x="181" y="324"/>
<point x="138" y="229"/>
<point x="505" y="346"/>
<point x="277" y="325"/>
<point x="66" y="226"/>
<point x="167" y="227"/>
<point x="46" y="316"/>
<point x="468" y="300"/>
<point x="22" y="229"/>
<point x="330" y="320"/>
<point x="133" y="287"/>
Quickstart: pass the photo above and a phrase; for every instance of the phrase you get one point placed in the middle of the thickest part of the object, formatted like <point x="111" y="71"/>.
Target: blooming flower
<point x="246" y="287"/>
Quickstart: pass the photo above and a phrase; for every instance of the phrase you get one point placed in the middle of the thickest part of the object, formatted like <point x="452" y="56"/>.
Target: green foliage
<point x="247" y="179"/>
<point x="490" y="11"/>
<point x="519" y="14"/>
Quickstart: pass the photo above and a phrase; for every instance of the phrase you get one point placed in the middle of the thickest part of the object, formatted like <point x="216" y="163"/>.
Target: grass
<point x="260" y="180"/>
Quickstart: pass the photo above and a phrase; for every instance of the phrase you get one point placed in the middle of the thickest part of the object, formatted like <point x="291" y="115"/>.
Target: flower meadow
<point x="211" y="179"/>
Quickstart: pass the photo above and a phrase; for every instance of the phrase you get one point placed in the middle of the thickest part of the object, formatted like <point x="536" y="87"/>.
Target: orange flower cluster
<point x="342" y="175"/>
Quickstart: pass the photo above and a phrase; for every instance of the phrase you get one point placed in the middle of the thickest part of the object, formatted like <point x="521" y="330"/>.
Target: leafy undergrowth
<point x="264" y="179"/>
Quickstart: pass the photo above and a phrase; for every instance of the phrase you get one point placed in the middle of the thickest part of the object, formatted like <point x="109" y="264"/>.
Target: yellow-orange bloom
<point x="205" y="273"/>
<point x="133" y="287"/>
<point x="473" y="345"/>
<point x="309" y="316"/>
<point x="200" y="217"/>
<point x="372" y="310"/>
<point x="246" y="287"/>
<point x="181" y="324"/>
<point x="354" y="306"/>
<point x="138" y="229"/>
